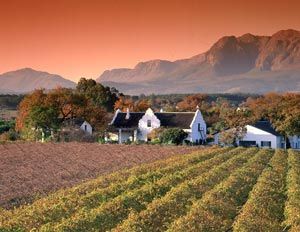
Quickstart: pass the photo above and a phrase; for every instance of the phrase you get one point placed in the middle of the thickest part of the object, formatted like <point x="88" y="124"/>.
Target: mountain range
<point x="248" y="64"/>
<point x="27" y="79"/>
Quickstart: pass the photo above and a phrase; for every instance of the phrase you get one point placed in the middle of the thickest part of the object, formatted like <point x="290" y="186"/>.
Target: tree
<point x="237" y="117"/>
<point x="232" y="136"/>
<point x="100" y="95"/>
<point x="124" y="103"/>
<point x="66" y="101"/>
<point x="43" y="117"/>
<point x="43" y="113"/>
<point x="191" y="102"/>
<point x="37" y="115"/>
<point x="95" y="115"/>
<point x="173" y="136"/>
<point x="282" y="110"/>
<point x="37" y="98"/>
<point x="141" y="105"/>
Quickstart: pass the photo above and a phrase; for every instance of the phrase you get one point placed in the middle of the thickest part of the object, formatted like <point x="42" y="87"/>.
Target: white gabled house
<point x="260" y="134"/>
<point x="135" y="126"/>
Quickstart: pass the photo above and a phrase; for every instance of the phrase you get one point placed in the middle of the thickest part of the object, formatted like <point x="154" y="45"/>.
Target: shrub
<point x="173" y="136"/>
<point x="156" y="133"/>
<point x="10" y="135"/>
<point x="5" y="126"/>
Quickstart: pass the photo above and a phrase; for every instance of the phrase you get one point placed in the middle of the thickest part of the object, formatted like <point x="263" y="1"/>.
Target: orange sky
<point x="76" y="38"/>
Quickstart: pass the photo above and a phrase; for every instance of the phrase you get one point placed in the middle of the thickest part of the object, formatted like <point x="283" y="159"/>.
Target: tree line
<point x="46" y="111"/>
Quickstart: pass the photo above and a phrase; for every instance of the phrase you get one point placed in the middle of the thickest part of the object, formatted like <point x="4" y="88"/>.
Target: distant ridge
<point x="249" y="63"/>
<point x="27" y="79"/>
<point x="245" y="64"/>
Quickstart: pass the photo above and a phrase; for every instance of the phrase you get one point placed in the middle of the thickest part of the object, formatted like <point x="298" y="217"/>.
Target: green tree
<point x="173" y="136"/>
<point x="44" y="118"/>
<point x="99" y="94"/>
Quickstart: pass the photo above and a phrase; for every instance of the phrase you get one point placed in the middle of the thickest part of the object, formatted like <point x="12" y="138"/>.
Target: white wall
<point x="295" y="141"/>
<point x="255" y="134"/>
<point x="125" y="136"/>
<point x="86" y="127"/>
<point x="195" y="134"/>
<point x="216" y="138"/>
<point x="144" y="130"/>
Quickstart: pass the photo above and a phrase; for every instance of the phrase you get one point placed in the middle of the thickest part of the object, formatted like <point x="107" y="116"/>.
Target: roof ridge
<point x="160" y="112"/>
<point x="174" y="112"/>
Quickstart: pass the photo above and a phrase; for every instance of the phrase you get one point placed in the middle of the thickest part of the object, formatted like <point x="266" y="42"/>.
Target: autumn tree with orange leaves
<point x="191" y="102"/>
<point x="282" y="110"/>
<point x="45" y="112"/>
<point x="125" y="103"/>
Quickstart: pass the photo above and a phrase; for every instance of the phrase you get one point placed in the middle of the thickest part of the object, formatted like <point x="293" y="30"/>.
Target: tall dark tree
<point x="99" y="94"/>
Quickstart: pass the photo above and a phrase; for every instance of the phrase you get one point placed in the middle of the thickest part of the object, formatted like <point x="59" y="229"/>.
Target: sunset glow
<point x="76" y="38"/>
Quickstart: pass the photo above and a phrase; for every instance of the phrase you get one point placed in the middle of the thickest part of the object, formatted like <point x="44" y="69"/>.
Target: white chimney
<point x="127" y="114"/>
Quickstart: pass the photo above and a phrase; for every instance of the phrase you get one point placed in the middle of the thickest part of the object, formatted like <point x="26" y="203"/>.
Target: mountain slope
<point x="249" y="63"/>
<point x="26" y="80"/>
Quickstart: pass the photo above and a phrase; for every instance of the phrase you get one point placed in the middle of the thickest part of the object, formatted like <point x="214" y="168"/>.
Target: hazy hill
<point x="249" y="63"/>
<point x="26" y="80"/>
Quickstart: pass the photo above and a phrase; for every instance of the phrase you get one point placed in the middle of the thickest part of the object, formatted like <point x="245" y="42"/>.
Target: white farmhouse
<point x="135" y="126"/>
<point x="261" y="134"/>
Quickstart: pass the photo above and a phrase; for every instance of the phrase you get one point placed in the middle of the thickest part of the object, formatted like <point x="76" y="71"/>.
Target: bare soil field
<point x="31" y="170"/>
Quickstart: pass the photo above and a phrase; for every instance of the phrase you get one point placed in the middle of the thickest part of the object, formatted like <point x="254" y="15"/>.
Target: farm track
<point x="209" y="190"/>
<point x="31" y="170"/>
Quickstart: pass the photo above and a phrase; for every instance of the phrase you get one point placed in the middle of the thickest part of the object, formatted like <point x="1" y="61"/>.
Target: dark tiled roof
<point x="181" y="120"/>
<point x="133" y="121"/>
<point x="266" y="126"/>
<point x="79" y="121"/>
